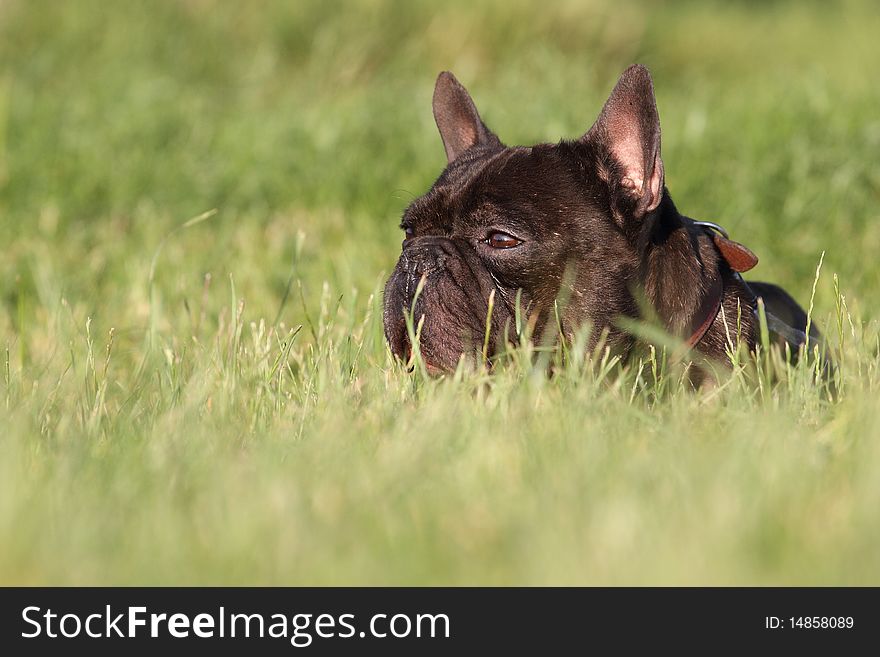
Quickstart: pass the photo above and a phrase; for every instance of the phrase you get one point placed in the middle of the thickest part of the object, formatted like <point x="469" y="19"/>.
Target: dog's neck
<point x="682" y="272"/>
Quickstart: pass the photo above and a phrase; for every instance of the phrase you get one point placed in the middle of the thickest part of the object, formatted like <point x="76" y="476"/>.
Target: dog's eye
<point x="499" y="240"/>
<point x="408" y="232"/>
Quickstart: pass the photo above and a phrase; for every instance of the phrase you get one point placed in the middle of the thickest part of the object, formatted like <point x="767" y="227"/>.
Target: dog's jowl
<point x="558" y="236"/>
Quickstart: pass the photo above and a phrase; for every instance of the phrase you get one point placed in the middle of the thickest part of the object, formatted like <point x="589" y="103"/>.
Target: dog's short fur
<point x="588" y="220"/>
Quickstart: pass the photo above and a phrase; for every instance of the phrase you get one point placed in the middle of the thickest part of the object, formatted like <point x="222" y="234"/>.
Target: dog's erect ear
<point x="629" y="130"/>
<point x="457" y="118"/>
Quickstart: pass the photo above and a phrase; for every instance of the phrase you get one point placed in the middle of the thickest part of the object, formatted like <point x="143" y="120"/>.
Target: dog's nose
<point x="423" y="241"/>
<point x="428" y="244"/>
<point x="426" y="254"/>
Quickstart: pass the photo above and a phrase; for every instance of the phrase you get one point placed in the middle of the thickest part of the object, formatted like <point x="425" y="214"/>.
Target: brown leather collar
<point x="738" y="258"/>
<point x="708" y="312"/>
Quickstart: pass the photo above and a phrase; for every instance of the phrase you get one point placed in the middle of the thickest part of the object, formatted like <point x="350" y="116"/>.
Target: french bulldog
<point x="507" y="231"/>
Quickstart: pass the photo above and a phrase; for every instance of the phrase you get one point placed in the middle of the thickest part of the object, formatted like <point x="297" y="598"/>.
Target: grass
<point x="199" y="204"/>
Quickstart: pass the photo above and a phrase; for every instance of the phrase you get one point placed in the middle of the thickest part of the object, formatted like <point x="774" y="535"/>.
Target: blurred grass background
<point x="205" y="442"/>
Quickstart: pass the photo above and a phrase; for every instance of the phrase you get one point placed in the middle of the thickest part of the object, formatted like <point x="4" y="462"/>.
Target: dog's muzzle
<point x="452" y="303"/>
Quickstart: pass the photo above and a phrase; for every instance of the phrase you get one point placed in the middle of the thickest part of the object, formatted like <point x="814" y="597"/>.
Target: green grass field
<point x="213" y="402"/>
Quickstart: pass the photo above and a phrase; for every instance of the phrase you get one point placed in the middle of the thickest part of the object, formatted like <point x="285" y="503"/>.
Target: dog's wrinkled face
<point x="530" y="224"/>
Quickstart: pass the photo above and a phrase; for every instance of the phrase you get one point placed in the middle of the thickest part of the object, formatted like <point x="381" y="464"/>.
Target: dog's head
<point x="529" y="224"/>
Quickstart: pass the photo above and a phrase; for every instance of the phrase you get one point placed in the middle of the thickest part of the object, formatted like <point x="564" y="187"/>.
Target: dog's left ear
<point x="628" y="130"/>
<point x="457" y="118"/>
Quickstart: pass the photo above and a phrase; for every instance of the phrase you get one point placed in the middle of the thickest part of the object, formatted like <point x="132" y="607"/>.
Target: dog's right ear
<point x="457" y="118"/>
<point x="628" y="132"/>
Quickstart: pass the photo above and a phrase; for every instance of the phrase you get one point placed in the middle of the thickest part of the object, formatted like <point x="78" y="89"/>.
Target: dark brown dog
<point x="588" y="221"/>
